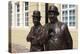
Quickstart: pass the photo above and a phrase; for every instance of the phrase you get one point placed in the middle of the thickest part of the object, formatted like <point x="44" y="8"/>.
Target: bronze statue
<point x="35" y="34"/>
<point x="58" y="35"/>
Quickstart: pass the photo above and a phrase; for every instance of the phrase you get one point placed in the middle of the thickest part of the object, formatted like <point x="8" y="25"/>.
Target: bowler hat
<point x="36" y="13"/>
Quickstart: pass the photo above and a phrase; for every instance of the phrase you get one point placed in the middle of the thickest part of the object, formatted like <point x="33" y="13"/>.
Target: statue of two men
<point x="52" y="36"/>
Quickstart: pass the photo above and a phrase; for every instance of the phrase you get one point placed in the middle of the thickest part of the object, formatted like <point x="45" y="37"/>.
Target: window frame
<point x="68" y="9"/>
<point x="17" y="14"/>
<point x="26" y="11"/>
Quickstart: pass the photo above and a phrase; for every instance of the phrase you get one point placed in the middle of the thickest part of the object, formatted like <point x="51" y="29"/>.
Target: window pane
<point x="18" y="7"/>
<point x="64" y="6"/>
<point x="26" y="24"/>
<point x="65" y="20"/>
<point x="62" y="18"/>
<point x="71" y="23"/>
<point x="26" y="5"/>
<point x="18" y="19"/>
<point x="71" y="6"/>
<point x="65" y="13"/>
<point x="26" y="19"/>
<point x="26" y="14"/>
<point x="26" y="8"/>
<point x="71" y="18"/>
<point x="17" y="15"/>
<point x="72" y="12"/>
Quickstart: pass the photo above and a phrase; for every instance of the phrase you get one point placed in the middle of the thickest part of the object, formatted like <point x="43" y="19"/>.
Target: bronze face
<point x="36" y="17"/>
<point x="36" y="20"/>
<point x="53" y="13"/>
<point x="52" y="16"/>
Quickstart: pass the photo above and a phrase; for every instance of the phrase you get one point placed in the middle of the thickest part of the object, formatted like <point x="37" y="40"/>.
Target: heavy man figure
<point x="35" y="35"/>
<point x="59" y="37"/>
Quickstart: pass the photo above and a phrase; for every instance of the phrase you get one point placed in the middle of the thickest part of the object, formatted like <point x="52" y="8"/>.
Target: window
<point x="17" y="14"/>
<point x="26" y="5"/>
<point x="18" y="19"/>
<point x="18" y="7"/>
<point x="65" y="13"/>
<point x="68" y="15"/>
<point x="65" y="18"/>
<point x="26" y="19"/>
<point x="72" y="17"/>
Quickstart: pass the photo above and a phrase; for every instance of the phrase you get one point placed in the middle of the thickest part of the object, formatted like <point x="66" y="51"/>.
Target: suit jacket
<point x="58" y="37"/>
<point x="34" y="37"/>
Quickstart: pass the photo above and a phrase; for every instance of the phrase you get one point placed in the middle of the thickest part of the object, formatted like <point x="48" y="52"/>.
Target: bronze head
<point x="53" y="13"/>
<point x="36" y="17"/>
